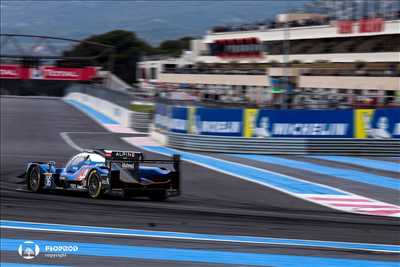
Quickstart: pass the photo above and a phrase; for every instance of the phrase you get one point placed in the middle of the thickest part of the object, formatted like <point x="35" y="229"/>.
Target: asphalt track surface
<point x="211" y="202"/>
<point x="389" y="195"/>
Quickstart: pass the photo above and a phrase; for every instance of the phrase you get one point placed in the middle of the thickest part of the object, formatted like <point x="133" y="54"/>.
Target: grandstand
<point x="293" y="61"/>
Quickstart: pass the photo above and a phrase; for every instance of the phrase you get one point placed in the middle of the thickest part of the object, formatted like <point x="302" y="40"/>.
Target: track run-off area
<point x="235" y="210"/>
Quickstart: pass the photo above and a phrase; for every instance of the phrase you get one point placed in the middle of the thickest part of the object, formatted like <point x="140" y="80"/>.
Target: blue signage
<point x="304" y="123"/>
<point x="178" y="120"/>
<point x="219" y="121"/>
<point x="268" y="123"/>
<point x="161" y="116"/>
<point x="385" y="123"/>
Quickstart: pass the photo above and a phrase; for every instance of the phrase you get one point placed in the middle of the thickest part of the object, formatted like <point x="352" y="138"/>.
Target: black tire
<point x="94" y="186"/>
<point x="158" y="195"/>
<point x="35" y="181"/>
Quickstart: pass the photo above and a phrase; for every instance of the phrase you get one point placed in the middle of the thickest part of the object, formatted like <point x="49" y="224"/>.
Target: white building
<point x="366" y="54"/>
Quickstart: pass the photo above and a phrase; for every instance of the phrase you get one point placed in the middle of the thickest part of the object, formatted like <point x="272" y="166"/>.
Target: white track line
<point x="108" y="231"/>
<point x="68" y="140"/>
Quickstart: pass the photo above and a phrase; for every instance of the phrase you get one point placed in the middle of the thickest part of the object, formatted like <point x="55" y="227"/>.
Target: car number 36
<point x="48" y="181"/>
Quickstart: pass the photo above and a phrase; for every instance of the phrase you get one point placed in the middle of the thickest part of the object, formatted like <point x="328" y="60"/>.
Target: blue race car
<point x="100" y="172"/>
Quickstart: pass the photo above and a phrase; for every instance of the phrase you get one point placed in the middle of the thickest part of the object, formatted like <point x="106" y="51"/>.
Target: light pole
<point x="286" y="51"/>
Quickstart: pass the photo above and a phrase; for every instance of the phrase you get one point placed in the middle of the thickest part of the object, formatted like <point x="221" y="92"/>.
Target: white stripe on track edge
<point x="161" y="235"/>
<point x="68" y="140"/>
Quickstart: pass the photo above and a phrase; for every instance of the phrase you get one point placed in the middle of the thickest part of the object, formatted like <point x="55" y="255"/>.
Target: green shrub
<point x="144" y="108"/>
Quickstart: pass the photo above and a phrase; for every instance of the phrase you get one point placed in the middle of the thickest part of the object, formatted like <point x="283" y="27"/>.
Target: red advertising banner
<point x="13" y="72"/>
<point x="240" y="55"/>
<point x="47" y="73"/>
<point x="364" y="25"/>
<point x="239" y="48"/>
<point x="372" y="25"/>
<point x="66" y="74"/>
<point x="345" y="26"/>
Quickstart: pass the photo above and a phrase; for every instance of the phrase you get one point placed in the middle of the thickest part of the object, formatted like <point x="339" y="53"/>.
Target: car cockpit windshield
<point x="81" y="159"/>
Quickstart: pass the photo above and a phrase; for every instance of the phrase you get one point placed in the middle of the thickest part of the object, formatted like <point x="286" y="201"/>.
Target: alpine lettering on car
<point x="127" y="165"/>
<point x="122" y="155"/>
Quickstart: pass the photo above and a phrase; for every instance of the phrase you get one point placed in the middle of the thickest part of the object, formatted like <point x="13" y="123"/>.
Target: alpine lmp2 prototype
<point x="100" y="172"/>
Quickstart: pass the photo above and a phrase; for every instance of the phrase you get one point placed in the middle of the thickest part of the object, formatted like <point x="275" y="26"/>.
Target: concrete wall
<point x="352" y="82"/>
<point x="339" y="82"/>
<point x="252" y="80"/>
<point x="283" y="71"/>
<point x="111" y="110"/>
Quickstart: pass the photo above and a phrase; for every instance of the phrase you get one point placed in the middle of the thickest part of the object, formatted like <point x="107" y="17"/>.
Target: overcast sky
<point x="152" y="20"/>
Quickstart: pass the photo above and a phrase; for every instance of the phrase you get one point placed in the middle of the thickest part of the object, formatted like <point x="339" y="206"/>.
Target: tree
<point x="128" y="50"/>
<point x="175" y="47"/>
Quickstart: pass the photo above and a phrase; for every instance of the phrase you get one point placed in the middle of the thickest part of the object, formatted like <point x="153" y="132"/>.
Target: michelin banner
<point x="268" y="123"/>
<point x="217" y="121"/>
<point x="300" y="123"/>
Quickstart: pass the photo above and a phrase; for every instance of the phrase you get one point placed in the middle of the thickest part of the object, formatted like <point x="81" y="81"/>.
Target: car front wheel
<point x="94" y="185"/>
<point x="35" y="182"/>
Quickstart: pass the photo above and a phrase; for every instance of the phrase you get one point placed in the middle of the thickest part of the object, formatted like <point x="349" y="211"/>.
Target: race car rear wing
<point x="136" y="158"/>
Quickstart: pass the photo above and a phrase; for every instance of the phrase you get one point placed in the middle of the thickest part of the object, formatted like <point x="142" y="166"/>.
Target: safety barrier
<point x="325" y="146"/>
<point x="119" y="98"/>
<point x="140" y="121"/>
<point x="137" y="121"/>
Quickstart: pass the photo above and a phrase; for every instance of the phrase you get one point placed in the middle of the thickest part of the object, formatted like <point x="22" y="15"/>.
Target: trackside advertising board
<point x="18" y="72"/>
<point x="62" y="74"/>
<point x="14" y="72"/>
<point x="161" y="116"/>
<point x="268" y="123"/>
<point x="303" y="123"/>
<point x="377" y="123"/>
<point x="171" y="118"/>
<point x="216" y="121"/>
<point x="178" y="119"/>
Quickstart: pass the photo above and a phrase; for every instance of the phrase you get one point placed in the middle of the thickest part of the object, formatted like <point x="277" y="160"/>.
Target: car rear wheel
<point x="158" y="195"/>
<point x="94" y="185"/>
<point x="35" y="182"/>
